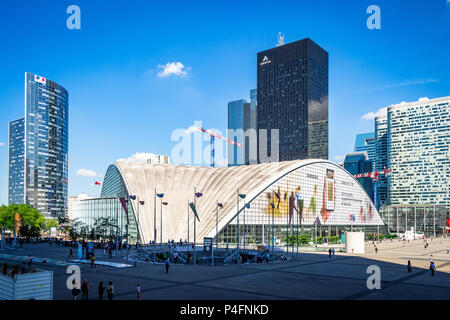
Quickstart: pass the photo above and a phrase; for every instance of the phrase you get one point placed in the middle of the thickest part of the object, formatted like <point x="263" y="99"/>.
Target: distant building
<point x="381" y="153"/>
<point x="44" y="169"/>
<point x="418" y="152"/>
<point x="292" y="85"/>
<point x="158" y="159"/>
<point x="242" y="117"/>
<point x="72" y="202"/>
<point x="358" y="162"/>
<point x="366" y="142"/>
<point x="16" y="161"/>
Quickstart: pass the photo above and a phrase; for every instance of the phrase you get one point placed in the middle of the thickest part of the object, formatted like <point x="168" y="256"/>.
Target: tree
<point x="33" y="220"/>
<point x="74" y="229"/>
<point x="50" y="223"/>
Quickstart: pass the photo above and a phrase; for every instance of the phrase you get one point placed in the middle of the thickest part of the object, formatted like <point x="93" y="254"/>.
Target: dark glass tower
<point x="293" y="98"/>
<point x="16" y="161"/>
<point x="46" y="145"/>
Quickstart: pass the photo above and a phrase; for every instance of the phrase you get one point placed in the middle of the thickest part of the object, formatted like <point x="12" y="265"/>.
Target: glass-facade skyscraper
<point x="418" y="144"/>
<point x="366" y="142"/>
<point x="16" y="161"/>
<point x="359" y="162"/>
<point x="292" y="89"/>
<point x="45" y="166"/>
<point x="381" y="160"/>
<point x="242" y="117"/>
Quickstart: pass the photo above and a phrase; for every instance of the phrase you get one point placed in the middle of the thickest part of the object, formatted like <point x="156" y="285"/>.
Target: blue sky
<point x="120" y="106"/>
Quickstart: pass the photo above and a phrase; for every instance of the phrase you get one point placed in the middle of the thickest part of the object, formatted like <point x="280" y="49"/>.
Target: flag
<point x="142" y="202"/>
<point x="40" y="79"/>
<point x="194" y="210"/>
<point x="198" y="194"/>
<point x="123" y="201"/>
<point x="132" y="197"/>
<point x="220" y="205"/>
<point x="352" y="217"/>
<point x="165" y="203"/>
<point x="242" y="196"/>
<point x="160" y="195"/>
<point x="272" y="205"/>
<point x="317" y="221"/>
<point x="97" y="183"/>
<point x="247" y="205"/>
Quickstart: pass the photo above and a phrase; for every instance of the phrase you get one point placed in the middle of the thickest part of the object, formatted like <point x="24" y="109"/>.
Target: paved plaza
<point x="308" y="276"/>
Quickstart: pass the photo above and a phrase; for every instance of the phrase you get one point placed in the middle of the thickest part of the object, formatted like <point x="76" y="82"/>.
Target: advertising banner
<point x="207" y="244"/>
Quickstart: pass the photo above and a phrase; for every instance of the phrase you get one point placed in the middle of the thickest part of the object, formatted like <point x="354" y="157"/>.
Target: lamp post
<point x="154" y="229"/>
<point x="242" y="196"/>
<point x="196" y="195"/>
<point x="273" y="234"/>
<point x="161" y="196"/>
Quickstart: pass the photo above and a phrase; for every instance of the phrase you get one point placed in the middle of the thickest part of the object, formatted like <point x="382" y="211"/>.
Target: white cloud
<point x="87" y="173"/>
<point x="139" y="157"/>
<point x="372" y="115"/>
<point x="1" y="144"/>
<point x="175" y="68"/>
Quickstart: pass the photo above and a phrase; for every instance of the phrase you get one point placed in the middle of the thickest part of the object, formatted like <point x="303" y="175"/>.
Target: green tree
<point x="33" y="220"/>
<point x="50" y="223"/>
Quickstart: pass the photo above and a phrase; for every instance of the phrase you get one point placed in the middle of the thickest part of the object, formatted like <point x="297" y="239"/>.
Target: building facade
<point x="418" y="152"/>
<point x="16" y="161"/>
<point x="381" y="156"/>
<point x="292" y="90"/>
<point x="358" y="162"/>
<point x="242" y="128"/>
<point x="281" y="200"/>
<point x="45" y="169"/>
<point x="366" y="142"/>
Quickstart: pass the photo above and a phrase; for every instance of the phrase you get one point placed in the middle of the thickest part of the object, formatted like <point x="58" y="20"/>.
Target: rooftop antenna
<point x="280" y="39"/>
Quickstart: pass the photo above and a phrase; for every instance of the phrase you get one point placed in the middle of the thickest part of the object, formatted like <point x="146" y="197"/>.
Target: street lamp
<point x="196" y="195"/>
<point x="242" y="196"/>
<point x="160" y="195"/>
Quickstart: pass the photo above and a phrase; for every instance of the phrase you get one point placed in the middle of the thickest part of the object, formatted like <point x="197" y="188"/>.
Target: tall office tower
<point x="366" y="142"/>
<point x="242" y="123"/>
<point x="419" y="152"/>
<point x="359" y="162"/>
<point x="16" y="161"/>
<point x="46" y="145"/>
<point x="381" y="184"/>
<point x="293" y="98"/>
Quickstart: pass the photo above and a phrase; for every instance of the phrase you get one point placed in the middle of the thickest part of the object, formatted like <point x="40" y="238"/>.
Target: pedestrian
<point x="70" y="252"/>
<point x="29" y="260"/>
<point x="110" y="290"/>
<point x="334" y="252"/>
<point x="167" y="263"/>
<point x="329" y="253"/>
<point x="376" y="249"/>
<point x="85" y="290"/>
<point x="432" y="268"/>
<point x="431" y="258"/>
<point x="409" y="266"/>
<point x="93" y="262"/>
<point x="175" y="257"/>
<point x="75" y="291"/>
<point x="448" y="250"/>
<point x="138" y="291"/>
<point x="101" y="290"/>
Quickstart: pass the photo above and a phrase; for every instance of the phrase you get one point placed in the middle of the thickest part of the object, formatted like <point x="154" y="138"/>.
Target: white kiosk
<point x="354" y="242"/>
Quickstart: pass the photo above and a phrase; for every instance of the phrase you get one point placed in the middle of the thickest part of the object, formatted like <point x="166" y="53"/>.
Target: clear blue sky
<point x="119" y="105"/>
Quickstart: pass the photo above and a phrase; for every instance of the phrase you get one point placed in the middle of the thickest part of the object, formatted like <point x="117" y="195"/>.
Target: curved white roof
<point x="178" y="183"/>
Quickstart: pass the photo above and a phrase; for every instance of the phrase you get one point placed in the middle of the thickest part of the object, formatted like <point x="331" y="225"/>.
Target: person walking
<point x="334" y="252"/>
<point x="85" y="290"/>
<point x="167" y="263"/>
<point x="448" y="250"/>
<point x="432" y="268"/>
<point x="431" y="258"/>
<point x="29" y="260"/>
<point x="93" y="262"/>
<point x="175" y="257"/>
<point x="329" y="253"/>
<point x="376" y="249"/>
<point x="110" y="290"/>
<point x="138" y="291"/>
<point x="75" y="291"/>
<point x="101" y="290"/>
<point x="409" y="268"/>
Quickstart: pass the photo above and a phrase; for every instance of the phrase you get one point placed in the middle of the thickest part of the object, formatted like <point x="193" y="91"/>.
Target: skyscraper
<point x="45" y="171"/>
<point x="16" y="161"/>
<point x="381" y="160"/>
<point x="418" y="144"/>
<point x="242" y="117"/>
<point x="358" y="162"/>
<point x="366" y="142"/>
<point x="292" y="89"/>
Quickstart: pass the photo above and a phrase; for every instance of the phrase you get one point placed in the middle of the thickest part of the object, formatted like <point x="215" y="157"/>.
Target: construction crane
<point x="211" y="143"/>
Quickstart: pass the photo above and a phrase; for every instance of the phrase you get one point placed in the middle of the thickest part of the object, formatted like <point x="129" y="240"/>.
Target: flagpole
<point x="217" y="222"/>
<point x="237" y="233"/>
<point x="244" y="225"/>
<point x="273" y="225"/>
<point x="188" y="228"/>
<point x="195" y="225"/>
<point x="154" y="229"/>
<point x="160" y="226"/>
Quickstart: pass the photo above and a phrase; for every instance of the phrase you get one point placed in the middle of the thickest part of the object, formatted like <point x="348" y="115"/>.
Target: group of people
<point x="101" y="290"/>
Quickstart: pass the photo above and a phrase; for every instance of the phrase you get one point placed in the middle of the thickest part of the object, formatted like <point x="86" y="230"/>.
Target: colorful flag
<point x="160" y="195"/>
<point x="247" y="205"/>
<point x="97" y="183"/>
<point x="132" y="197"/>
<point x="165" y="203"/>
<point x="194" y="210"/>
<point x="220" y="205"/>
<point x="198" y="194"/>
<point x="123" y="201"/>
<point x="242" y="196"/>
<point x="40" y="79"/>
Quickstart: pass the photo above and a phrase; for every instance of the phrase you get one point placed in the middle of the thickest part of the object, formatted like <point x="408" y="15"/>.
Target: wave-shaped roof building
<point x="290" y="196"/>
